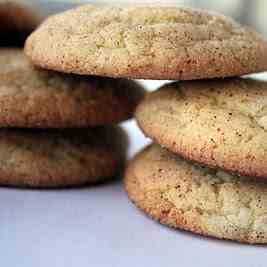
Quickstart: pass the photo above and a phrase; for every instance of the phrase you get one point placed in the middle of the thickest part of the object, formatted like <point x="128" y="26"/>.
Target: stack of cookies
<point x="57" y="129"/>
<point x="218" y="124"/>
<point x="207" y="170"/>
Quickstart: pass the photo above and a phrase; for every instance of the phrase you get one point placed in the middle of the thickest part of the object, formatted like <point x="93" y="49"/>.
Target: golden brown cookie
<point x="60" y="158"/>
<point x="40" y="99"/>
<point x="220" y="123"/>
<point x="16" y="23"/>
<point x="168" y="43"/>
<point x="186" y="196"/>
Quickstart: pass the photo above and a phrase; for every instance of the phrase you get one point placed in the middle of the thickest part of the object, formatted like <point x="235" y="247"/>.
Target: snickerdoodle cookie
<point x="186" y="196"/>
<point x="169" y="43"/>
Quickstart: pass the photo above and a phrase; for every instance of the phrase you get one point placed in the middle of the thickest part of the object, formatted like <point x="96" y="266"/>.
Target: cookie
<point x="59" y="158"/>
<point x="220" y="123"/>
<point x="16" y="23"/>
<point x="40" y="99"/>
<point x="190" y="197"/>
<point x="168" y="43"/>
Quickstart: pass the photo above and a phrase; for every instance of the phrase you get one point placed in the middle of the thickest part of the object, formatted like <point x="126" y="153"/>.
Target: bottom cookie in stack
<point x="61" y="158"/>
<point x="187" y="196"/>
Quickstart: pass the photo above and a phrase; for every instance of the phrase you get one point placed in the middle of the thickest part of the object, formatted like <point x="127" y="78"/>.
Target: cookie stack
<point x="57" y="130"/>
<point x="207" y="170"/>
<point x="219" y="123"/>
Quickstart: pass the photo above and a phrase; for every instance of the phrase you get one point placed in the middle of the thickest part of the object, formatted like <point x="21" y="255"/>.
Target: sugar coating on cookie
<point x="17" y="21"/>
<point x="60" y="158"/>
<point x="35" y="98"/>
<point x="194" y="198"/>
<point x="220" y="123"/>
<point x="147" y="43"/>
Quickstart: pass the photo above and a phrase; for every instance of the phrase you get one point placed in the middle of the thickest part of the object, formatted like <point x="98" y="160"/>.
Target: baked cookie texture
<point x="32" y="98"/>
<point x="17" y="21"/>
<point x="146" y="43"/>
<point x="220" y="123"/>
<point x="190" y="197"/>
<point x="60" y="158"/>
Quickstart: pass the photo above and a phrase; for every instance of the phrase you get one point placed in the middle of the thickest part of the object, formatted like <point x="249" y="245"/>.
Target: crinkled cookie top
<point x="146" y="42"/>
<point x="221" y="123"/>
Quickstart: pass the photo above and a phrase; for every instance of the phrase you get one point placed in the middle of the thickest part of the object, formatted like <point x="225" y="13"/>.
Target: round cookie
<point x="220" y="123"/>
<point x="205" y="201"/>
<point x="16" y="23"/>
<point x="40" y="99"/>
<point x="60" y="158"/>
<point x="168" y="43"/>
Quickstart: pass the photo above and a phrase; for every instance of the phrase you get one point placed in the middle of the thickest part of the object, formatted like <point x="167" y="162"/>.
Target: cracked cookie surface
<point x="184" y="195"/>
<point x="41" y="99"/>
<point x="17" y="21"/>
<point x="146" y="43"/>
<point x="60" y="158"/>
<point x="220" y="123"/>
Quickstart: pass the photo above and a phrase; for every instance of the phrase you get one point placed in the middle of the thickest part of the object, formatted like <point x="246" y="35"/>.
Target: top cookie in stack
<point x="65" y="137"/>
<point x="146" y="43"/>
